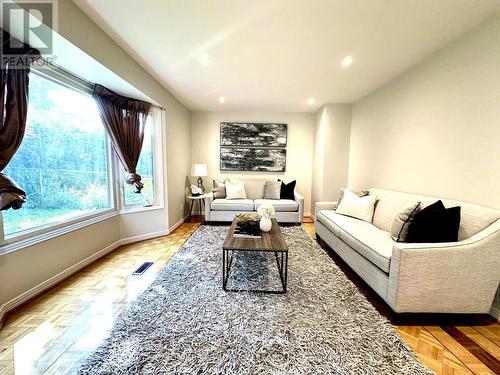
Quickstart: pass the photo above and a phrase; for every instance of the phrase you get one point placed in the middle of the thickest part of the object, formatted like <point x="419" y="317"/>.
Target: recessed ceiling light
<point x="204" y="60"/>
<point x="346" y="61"/>
<point x="222" y="99"/>
<point x="310" y="101"/>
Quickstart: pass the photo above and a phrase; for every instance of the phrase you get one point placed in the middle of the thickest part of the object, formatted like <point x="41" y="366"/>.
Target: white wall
<point x="205" y="146"/>
<point x="435" y="130"/>
<point x="331" y="151"/>
<point x="79" y="29"/>
<point x="26" y="268"/>
<point x="178" y="138"/>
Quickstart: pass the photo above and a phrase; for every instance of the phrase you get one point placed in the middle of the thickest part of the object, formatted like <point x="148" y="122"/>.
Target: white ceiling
<point x="76" y="61"/>
<point x="275" y="54"/>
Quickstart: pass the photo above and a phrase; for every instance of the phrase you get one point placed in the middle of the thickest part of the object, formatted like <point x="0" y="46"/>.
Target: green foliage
<point x="61" y="163"/>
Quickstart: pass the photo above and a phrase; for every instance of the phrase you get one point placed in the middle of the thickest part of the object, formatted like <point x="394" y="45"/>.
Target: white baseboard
<point x="61" y="276"/>
<point x="178" y="224"/>
<point x="142" y="237"/>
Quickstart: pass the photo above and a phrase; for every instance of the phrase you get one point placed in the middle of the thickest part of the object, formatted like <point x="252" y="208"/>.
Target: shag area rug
<point x="184" y="323"/>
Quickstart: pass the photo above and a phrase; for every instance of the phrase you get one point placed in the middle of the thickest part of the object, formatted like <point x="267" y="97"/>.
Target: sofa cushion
<point x="254" y="188"/>
<point x="402" y="221"/>
<point x="281" y="205"/>
<point x="474" y="218"/>
<point x="272" y="190"/>
<point x="362" y="193"/>
<point x="232" y="205"/>
<point x="287" y="190"/>
<point x="327" y="218"/>
<point x="235" y="191"/>
<point x="356" y="206"/>
<point x="369" y="241"/>
<point x="219" y="189"/>
<point x="435" y="223"/>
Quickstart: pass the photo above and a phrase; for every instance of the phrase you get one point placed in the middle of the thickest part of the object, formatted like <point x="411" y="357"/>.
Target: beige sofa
<point x="455" y="277"/>
<point x="287" y="210"/>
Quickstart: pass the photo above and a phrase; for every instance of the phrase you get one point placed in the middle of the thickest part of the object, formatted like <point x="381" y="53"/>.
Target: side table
<point x="200" y="199"/>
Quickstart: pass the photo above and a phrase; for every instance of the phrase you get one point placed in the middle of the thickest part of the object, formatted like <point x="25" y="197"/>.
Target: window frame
<point x="158" y="200"/>
<point x="47" y="231"/>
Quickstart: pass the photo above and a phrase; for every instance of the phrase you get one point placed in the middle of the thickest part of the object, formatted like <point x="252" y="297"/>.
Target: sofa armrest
<point x="446" y="277"/>
<point x="300" y="200"/>
<point x="318" y="206"/>
<point x="208" y="205"/>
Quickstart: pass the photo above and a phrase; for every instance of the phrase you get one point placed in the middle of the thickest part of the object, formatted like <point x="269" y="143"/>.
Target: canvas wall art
<point x="248" y="146"/>
<point x="253" y="134"/>
<point x="252" y="159"/>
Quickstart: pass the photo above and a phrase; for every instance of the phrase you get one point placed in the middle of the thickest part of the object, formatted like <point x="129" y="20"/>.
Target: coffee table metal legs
<point x="282" y="267"/>
<point x="281" y="261"/>
<point x="226" y="266"/>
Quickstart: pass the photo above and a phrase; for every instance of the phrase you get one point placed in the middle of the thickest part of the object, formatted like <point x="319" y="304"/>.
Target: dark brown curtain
<point x="15" y="68"/>
<point x="124" y="119"/>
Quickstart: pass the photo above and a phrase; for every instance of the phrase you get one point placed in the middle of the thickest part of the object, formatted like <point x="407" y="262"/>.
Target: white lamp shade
<point x="199" y="170"/>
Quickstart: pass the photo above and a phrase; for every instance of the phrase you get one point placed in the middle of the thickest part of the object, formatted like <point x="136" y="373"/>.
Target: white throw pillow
<point x="235" y="191"/>
<point x="358" y="207"/>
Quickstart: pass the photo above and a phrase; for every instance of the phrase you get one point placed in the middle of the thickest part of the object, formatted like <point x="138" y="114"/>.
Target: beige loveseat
<point x="287" y="210"/>
<point x="455" y="277"/>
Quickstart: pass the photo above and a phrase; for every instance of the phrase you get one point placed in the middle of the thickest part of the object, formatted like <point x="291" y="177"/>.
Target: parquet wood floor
<point x="53" y="333"/>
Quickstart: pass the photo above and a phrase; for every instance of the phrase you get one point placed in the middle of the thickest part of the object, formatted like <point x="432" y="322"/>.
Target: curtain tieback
<point x="135" y="180"/>
<point x="11" y="195"/>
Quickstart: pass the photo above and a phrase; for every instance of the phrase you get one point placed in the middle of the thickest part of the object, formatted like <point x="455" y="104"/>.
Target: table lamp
<point x="199" y="170"/>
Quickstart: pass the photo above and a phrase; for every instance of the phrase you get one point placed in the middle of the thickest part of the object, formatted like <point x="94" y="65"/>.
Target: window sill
<point x="136" y="209"/>
<point x="14" y="243"/>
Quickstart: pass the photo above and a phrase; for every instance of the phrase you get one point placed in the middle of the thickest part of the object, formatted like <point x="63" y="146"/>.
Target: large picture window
<point x="67" y="167"/>
<point x="62" y="163"/>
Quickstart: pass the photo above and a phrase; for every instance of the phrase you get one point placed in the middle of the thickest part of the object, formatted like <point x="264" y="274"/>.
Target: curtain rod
<point x="81" y="79"/>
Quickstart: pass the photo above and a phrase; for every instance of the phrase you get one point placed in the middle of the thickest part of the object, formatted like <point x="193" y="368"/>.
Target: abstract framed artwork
<point x="253" y="134"/>
<point x="253" y="146"/>
<point x="252" y="159"/>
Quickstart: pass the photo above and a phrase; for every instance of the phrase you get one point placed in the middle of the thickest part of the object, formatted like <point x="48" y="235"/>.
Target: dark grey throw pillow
<point x="435" y="223"/>
<point x="219" y="189"/>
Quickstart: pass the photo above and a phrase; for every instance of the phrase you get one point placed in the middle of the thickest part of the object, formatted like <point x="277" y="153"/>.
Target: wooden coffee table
<point x="272" y="241"/>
